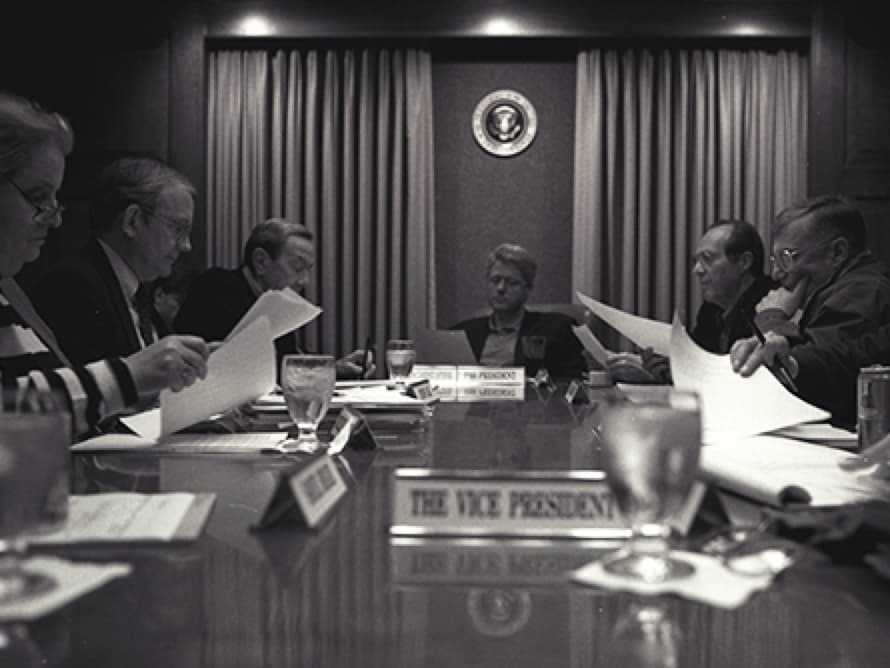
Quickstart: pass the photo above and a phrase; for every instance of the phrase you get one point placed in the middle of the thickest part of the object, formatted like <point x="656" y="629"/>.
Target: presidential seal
<point x="504" y="123"/>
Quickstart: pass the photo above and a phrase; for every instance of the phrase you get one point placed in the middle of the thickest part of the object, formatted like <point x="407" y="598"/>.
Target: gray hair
<point x="271" y="235"/>
<point x="517" y="256"/>
<point x="132" y="180"/>
<point x="830" y="216"/>
<point x="26" y="126"/>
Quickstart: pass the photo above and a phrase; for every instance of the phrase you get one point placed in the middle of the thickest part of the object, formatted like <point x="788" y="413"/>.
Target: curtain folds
<point x="667" y="142"/>
<point x="341" y="141"/>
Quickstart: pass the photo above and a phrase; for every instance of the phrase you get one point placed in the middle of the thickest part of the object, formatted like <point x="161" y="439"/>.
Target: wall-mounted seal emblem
<point x="505" y="123"/>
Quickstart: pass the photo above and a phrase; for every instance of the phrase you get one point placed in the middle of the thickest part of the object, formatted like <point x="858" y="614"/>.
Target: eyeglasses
<point x="509" y="282"/>
<point x="42" y="213"/>
<point x="787" y="257"/>
<point x="181" y="231"/>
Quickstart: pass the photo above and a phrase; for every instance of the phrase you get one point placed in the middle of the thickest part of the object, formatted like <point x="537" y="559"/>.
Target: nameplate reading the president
<point x="570" y="504"/>
<point x="484" y="374"/>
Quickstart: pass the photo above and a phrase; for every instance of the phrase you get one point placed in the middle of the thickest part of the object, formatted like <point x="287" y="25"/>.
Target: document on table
<point x="242" y="369"/>
<point x="644" y="332"/>
<point x="129" y="517"/>
<point x="285" y="310"/>
<point x="776" y="471"/>
<point x="734" y="406"/>
<point x="183" y="443"/>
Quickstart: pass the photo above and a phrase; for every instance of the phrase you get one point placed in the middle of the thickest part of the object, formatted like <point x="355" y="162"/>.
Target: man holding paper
<point x="278" y="255"/>
<point x="842" y="292"/>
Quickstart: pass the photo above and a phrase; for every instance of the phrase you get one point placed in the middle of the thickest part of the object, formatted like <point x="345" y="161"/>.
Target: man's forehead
<point x="714" y="239"/>
<point x="504" y="268"/>
<point x="299" y="246"/>
<point x="795" y="232"/>
<point x="175" y="201"/>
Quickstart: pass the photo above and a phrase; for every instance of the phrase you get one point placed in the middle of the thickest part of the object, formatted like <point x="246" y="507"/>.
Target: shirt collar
<point x="127" y="278"/>
<point x="251" y="281"/>
<point x="506" y="328"/>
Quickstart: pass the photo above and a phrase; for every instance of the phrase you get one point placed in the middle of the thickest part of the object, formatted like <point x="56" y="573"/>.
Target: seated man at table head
<point x="141" y="220"/>
<point x="33" y="146"/>
<point x="840" y="292"/>
<point x="278" y="254"/>
<point x="512" y="335"/>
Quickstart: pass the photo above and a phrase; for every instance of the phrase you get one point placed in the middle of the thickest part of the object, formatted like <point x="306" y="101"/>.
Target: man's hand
<point x="350" y="366"/>
<point x="748" y="354"/>
<point x="174" y="361"/>
<point x="787" y="301"/>
<point x="658" y="365"/>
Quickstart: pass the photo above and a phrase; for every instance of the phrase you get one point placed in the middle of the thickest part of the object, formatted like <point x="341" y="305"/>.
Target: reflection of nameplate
<point x="307" y="492"/>
<point x="571" y="504"/>
<point x="490" y="561"/>
<point x="468" y="375"/>
<point x="491" y="392"/>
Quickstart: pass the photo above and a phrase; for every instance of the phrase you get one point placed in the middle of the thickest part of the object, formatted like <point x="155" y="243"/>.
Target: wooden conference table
<point x="348" y="594"/>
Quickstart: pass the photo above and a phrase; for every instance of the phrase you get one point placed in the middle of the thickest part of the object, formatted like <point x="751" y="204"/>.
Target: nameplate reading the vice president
<point x="565" y="504"/>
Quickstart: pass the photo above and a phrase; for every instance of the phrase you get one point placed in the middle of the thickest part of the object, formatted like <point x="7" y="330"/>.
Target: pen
<point x="366" y="356"/>
<point x="779" y="370"/>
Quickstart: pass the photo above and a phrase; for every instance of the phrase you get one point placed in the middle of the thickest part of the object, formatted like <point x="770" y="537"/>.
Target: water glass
<point x="650" y="456"/>
<point x="400" y="358"/>
<point x="35" y="436"/>
<point x="307" y="382"/>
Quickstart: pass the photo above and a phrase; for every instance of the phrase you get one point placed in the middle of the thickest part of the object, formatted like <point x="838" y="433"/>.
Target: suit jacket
<point x="216" y="301"/>
<point x="562" y="354"/>
<point x="82" y="302"/>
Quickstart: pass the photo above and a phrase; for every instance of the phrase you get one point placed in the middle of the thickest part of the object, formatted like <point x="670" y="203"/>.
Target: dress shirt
<point x="129" y="283"/>
<point x="500" y="346"/>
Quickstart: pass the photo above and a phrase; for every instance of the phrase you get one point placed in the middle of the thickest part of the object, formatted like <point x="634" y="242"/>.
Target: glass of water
<point x="307" y="383"/>
<point x="35" y="435"/>
<point x="650" y="456"/>
<point x="400" y="358"/>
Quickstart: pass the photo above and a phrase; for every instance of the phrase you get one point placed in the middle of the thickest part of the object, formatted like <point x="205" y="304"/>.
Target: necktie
<point x="142" y="306"/>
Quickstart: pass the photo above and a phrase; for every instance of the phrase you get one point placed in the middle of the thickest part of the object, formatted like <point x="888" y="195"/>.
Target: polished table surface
<point x="347" y="594"/>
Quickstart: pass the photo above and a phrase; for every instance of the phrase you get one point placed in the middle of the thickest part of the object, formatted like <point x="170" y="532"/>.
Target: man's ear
<point x="840" y="251"/>
<point x="746" y="259"/>
<point x="260" y="260"/>
<point x="130" y="220"/>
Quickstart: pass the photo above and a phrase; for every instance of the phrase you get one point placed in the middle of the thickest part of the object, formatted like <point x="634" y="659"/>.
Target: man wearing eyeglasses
<point x="141" y="221"/>
<point x="838" y="289"/>
<point x="515" y="336"/>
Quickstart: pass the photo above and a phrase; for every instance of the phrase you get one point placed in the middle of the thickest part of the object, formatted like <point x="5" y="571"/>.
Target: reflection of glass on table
<point x="35" y="434"/>
<point x="307" y="383"/>
<point x="651" y="452"/>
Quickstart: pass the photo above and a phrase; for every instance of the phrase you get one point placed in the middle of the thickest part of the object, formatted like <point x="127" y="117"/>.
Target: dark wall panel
<point x="483" y="200"/>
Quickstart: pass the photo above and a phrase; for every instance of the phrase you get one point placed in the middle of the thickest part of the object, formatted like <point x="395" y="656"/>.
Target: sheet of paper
<point x="146" y="424"/>
<point x="773" y="470"/>
<point x="592" y="345"/>
<point x="644" y="332"/>
<point x="819" y="431"/>
<point x="733" y="406"/>
<point x="207" y="443"/>
<point x="240" y="370"/>
<point x="72" y="579"/>
<point x="285" y="310"/>
<point x="121" y="517"/>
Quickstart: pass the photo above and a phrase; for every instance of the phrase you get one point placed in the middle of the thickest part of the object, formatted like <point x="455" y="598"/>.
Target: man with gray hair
<point x="141" y="220"/>
<point x="278" y="254"/>
<point x="515" y="336"/>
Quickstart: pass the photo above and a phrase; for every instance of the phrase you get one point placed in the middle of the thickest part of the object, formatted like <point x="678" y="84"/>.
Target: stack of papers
<point x="363" y="395"/>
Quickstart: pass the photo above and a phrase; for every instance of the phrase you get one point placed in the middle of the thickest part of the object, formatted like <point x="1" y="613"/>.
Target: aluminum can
<point x="873" y="402"/>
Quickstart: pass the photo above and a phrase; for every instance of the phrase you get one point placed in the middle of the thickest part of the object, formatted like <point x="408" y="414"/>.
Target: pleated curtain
<point x="340" y="141"/>
<point x="667" y="142"/>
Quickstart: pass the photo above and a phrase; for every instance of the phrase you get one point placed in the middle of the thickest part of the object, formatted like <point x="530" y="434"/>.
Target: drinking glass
<point x="307" y="382"/>
<point x="650" y="456"/>
<point x="35" y="434"/>
<point x="400" y="358"/>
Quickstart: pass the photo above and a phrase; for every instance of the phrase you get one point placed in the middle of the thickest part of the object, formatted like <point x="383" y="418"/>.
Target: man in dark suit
<point x="278" y="254"/>
<point x="141" y="222"/>
<point x="512" y="335"/>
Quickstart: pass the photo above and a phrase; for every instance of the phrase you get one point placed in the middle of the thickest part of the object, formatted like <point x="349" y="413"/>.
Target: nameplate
<point x="469" y="375"/>
<point x="490" y="392"/>
<point x="307" y="493"/>
<point x="419" y="389"/>
<point x="351" y="429"/>
<point x="435" y="374"/>
<point x="571" y="504"/>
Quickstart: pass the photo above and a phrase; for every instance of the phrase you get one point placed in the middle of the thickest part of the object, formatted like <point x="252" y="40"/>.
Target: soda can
<point x="873" y="402"/>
